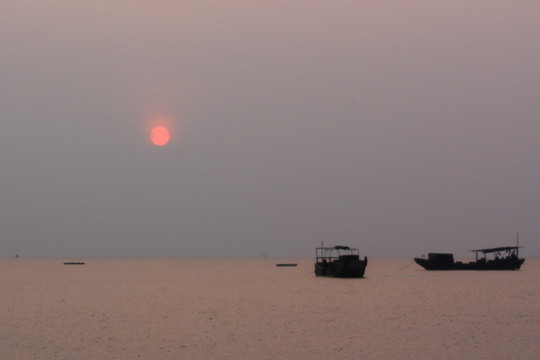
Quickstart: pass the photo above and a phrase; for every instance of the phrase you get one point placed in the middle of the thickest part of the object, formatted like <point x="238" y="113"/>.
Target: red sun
<point x="160" y="135"/>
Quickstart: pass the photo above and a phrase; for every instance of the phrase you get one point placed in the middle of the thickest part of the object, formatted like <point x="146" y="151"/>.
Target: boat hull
<point x="511" y="264"/>
<point x="345" y="267"/>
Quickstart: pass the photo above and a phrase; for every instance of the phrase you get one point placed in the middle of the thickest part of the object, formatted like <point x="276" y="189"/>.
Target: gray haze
<point x="399" y="127"/>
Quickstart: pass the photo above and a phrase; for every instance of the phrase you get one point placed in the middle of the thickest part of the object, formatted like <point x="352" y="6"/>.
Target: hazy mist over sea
<point x="396" y="127"/>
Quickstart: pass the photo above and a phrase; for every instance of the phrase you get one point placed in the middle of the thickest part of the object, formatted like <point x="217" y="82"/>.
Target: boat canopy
<point x="497" y="249"/>
<point x="334" y="252"/>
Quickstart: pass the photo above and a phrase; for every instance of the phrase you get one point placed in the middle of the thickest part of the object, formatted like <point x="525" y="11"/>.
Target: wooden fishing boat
<point x="339" y="261"/>
<point x="499" y="258"/>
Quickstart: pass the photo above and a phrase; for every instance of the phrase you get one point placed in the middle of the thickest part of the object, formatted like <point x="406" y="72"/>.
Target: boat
<point x="339" y="261"/>
<point x="485" y="259"/>
<point x="286" y="265"/>
<point x="74" y="263"/>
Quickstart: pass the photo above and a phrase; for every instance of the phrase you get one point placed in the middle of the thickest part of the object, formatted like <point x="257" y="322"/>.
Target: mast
<point x="517" y="250"/>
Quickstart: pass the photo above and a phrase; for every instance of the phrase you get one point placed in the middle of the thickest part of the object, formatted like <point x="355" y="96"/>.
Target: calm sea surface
<point x="251" y="309"/>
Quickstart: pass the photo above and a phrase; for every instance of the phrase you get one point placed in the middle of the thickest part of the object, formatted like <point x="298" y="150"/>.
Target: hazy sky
<point x="398" y="127"/>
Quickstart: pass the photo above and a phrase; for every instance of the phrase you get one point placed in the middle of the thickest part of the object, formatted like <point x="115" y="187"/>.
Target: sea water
<point x="251" y="309"/>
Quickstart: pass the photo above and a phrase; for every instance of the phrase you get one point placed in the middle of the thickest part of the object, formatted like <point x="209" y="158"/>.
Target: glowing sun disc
<point x="160" y="135"/>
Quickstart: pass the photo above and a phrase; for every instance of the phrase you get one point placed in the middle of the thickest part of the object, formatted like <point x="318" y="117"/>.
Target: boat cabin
<point x="441" y="258"/>
<point x="330" y="254"/>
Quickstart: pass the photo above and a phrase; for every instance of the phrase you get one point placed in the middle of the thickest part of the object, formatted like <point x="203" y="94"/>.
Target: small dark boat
<point x="339" y="261"/>
<point x="508" y="261"/>
<point x="74" y="263"/>
<point x="286" y="265"/>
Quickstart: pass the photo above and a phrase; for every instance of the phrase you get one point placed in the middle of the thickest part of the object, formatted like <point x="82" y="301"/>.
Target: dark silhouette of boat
<point x="74" y="263"/>
<point x="339" y="261"/>
<point x="509" y="260"/>
<point x="286" y="265"/>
